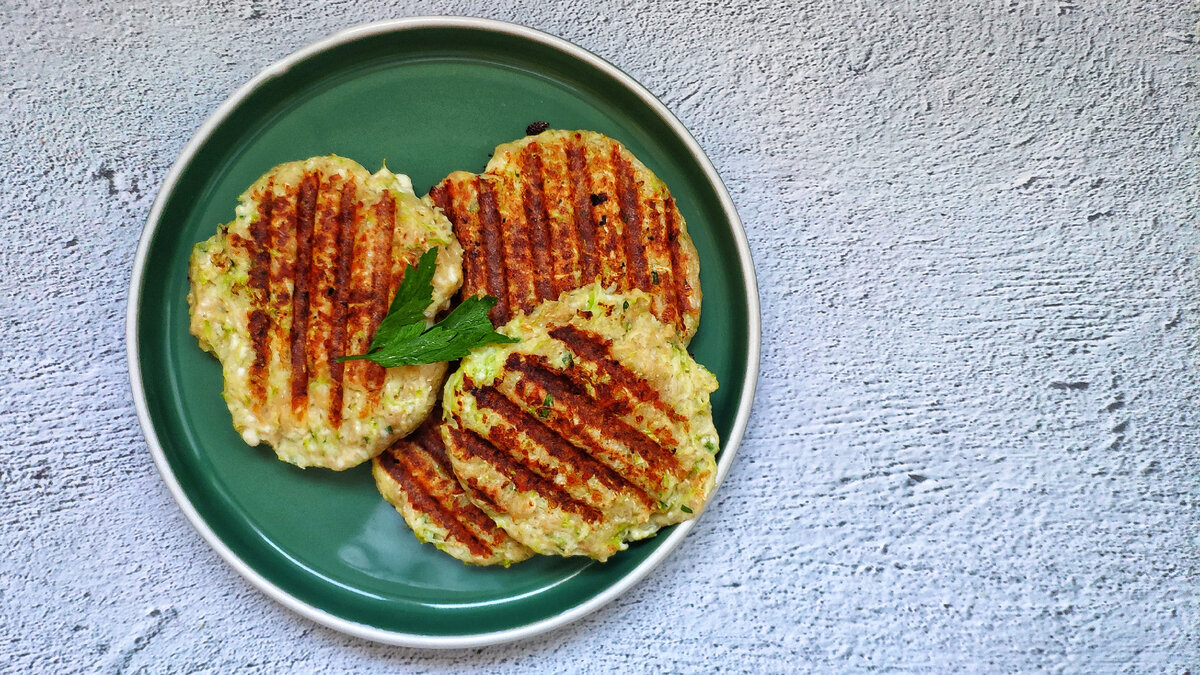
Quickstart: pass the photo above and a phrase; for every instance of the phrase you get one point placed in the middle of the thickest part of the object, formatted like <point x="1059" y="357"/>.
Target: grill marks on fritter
<point x="617" y="387"/>
<point x="574" y="466"/>
<point x="360" y="302"/>
<point x="472" y="445"/>
<point x="638" y="276"/>
<point x="420" y="467"/>
<point x="446" y="197"/>
<point x="680" y="282"/>
<point x="610" y="229"/>
<point x="306" y="206"/>
<point x="259" y="322"/>
<point x="581" y="201"/>
<point x="535" y="217"/>
<point x="557" y="426"/>
<point x="281" y="244"/>
<point x="568" y="211"/>
<point x="518" y="250"/>
<point x="582" y="420"/>
<point x="344" y="236"/>
<point x="558" y="199"/>
<point x="320" y="281"/>
<point x="481" y="237"/>
<point x="666" y="263"/>
<point x="493" y="246"/>
<point x="377" y="301"/>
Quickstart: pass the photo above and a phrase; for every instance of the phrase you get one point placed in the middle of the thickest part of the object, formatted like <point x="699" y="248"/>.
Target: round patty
<point x="594" y="430"/>
<point x="304" y="274"/>
<point x="563" y="209"/>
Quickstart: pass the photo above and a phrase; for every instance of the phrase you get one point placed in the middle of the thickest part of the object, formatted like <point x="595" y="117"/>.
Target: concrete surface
<point x="975" y="443"/>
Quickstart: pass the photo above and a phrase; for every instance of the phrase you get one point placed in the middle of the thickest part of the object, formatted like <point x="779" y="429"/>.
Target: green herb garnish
<point x="685" y="508"/>
<point x="403" y="339"/>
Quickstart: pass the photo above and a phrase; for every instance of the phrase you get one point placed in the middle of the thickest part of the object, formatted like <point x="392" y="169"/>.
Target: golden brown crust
<point x="594" y="430"/>
<point x="414" y="475"/>
<point x="562" y="209"/>
<point x="301" y="277"/>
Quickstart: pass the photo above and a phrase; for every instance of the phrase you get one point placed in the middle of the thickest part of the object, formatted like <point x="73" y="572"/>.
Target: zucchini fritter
<point x="562" y="209"/>
<point x="594" y="430"/>
<point x="304" y="274"/>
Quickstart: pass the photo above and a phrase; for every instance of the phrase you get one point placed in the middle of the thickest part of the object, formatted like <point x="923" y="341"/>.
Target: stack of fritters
<point x="595" y="429"/>
<point x="592" y="431"/>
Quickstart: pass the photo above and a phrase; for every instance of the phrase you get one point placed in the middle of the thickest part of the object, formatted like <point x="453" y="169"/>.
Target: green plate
<point x="429" y="96"/>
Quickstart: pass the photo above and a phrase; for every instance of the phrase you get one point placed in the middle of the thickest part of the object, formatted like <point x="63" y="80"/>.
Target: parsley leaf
<point x="403" y="339"/>
<point x="413" y="296"/>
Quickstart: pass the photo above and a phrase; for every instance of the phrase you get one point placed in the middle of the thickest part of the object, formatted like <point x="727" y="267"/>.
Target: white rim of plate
<point x="314" y="613"/>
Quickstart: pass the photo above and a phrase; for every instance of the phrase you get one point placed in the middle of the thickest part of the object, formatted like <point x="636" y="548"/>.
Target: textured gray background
<point x="975" y="439"/>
